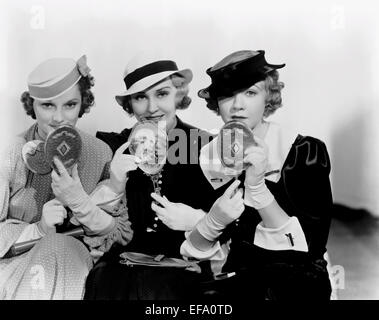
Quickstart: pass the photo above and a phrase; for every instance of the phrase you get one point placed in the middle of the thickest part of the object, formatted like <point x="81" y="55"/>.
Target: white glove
<point x="120" y="166"/>
<point x="225" y="210"/>
<point x="176" y="216"/>
<point x="53" y="213"/>
<point x="257" y="194"/>
<point x="69" y="190"/>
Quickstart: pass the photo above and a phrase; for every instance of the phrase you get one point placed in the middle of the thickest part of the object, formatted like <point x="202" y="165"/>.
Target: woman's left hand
<point x="257" y="157"/>
<point x="67" y="188"/>
<point x="176" y="216"/>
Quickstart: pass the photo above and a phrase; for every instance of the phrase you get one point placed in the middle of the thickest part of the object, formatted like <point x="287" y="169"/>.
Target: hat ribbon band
<point x="148" y="70"/>
<point x="39" y="92"/>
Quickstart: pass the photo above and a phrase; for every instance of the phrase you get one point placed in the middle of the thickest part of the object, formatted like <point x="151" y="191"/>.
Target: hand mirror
<point x="63" y="142"/>
<point x="148" y="142"/>
<point x="233" y="139"/>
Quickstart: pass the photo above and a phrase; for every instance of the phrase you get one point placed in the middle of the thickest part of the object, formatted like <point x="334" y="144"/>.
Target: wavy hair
<point x="273" y="101"/>
<point x="182" y="100"/>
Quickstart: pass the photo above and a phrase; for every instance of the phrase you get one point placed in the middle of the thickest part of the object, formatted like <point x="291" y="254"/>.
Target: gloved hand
<point x="53" y="213"/>
<point x="257" y="194"/>
<point x="120" y="166"/>
<point x="225" y="210"/>
<point x="68" y="189"/>
<point x="176" y="216"/>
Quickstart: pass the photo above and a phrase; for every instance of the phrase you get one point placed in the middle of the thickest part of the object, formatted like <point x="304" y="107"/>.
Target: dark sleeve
<point x="305" y="178"/>
<point x="204" y="191"/>
<point x="112" y="139"/>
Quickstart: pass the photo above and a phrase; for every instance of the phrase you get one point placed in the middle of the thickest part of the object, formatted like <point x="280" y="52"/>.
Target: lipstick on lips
<point x="238" y="117"/>
<point x="155" y="118"/>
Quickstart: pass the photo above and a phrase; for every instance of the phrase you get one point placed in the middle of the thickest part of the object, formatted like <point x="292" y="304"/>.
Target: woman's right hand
<point x="120" y="166"/>
<point x="225" y="210"/>
<point x="229" y="206"/>
<point x="53" y="213"/>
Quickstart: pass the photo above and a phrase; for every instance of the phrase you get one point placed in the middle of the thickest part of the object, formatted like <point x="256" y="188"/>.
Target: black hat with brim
<point x="236" y="72"/>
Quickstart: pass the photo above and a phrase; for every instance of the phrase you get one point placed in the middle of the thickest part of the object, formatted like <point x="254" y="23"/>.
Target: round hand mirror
<point x="33" y="154"/>
<point x="64" y="143"/>
<point x="148" y="142"/>
<point x="233" y="139"/>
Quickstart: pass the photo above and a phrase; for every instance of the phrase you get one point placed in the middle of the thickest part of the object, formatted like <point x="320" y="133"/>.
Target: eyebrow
<point x="137" y="94"/>
<point x="51" y="102"/>
<point x="255" y="86"/>
<point x="166" y="87"/>
<point x="72" y="100"/>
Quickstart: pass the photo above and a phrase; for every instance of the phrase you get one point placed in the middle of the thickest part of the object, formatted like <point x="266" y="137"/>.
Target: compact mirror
<point x="233" y="139"/>
<point x="148" y="142"/>
<point x="64" y="143"/>
<point x="33" y="154"/>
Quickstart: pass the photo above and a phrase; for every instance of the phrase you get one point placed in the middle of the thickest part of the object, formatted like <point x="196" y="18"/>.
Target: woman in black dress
<point x="155" y="90"/>
<point x="278" y="243"/>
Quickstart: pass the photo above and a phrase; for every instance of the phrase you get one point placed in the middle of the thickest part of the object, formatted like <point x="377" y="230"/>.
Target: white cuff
<point x="289" y="236"/>
<point x="31" y="232"/>
<point x="258" y="197"/>
<point x="189" y="251"/>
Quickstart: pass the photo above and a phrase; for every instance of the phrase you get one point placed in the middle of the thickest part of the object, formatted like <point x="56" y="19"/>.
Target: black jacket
<point x="181" y="182"/>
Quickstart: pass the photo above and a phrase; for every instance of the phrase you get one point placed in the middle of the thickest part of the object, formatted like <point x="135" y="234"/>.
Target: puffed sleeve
<point x="121" y="231"/>
<point x="10" y="229"/>
<point x="305" y="178"/>
<point x="115" y="205"/>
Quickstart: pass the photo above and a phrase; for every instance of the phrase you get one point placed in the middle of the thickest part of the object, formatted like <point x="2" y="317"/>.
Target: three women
<point x="272" y="232"/>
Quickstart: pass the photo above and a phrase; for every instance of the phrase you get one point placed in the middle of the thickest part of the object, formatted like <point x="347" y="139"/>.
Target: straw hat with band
<point x="142" y="74"/>
<point x="236" y="72"/>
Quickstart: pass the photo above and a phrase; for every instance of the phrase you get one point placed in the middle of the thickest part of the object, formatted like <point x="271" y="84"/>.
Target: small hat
<point x="145" y="71"/>
<point x="237" y="71"/>
<point x="55" y="76"/>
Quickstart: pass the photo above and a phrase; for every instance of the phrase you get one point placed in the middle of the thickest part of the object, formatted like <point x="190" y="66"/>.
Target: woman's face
<point x="62" y="110"/>
<point x="156" y="104"/>
<point x="247" y="106"/>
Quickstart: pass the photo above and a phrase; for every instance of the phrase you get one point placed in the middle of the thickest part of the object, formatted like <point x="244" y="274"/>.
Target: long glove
<point x="257" y="194"/>
<point x="225" y="210"/>
<point x="69" y="191"/>
<point x="177" y="216"/>
<point x="120" y="166"/>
